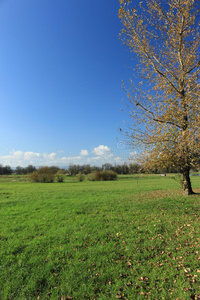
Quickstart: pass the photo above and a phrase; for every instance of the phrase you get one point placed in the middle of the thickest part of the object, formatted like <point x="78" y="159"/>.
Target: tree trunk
<point x="186" y="181"/>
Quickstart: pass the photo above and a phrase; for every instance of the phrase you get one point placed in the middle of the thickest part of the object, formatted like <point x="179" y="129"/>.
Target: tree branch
<point x="156" y="119"/>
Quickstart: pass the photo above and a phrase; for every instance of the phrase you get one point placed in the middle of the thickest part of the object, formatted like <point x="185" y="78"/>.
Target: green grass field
<point x="125" y="239"/>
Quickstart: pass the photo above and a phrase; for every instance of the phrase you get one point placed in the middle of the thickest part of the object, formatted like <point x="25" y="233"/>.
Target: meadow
<point x="124" y="239"/>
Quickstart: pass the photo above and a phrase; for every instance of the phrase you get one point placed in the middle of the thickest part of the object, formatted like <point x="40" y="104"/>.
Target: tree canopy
<point x="165" y="105"/>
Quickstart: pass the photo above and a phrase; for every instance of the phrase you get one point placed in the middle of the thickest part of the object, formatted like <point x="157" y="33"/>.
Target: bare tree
<point x="165" y="105"/>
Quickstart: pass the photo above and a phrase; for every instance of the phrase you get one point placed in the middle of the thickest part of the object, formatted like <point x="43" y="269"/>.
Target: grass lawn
<point x="126" y="239"/>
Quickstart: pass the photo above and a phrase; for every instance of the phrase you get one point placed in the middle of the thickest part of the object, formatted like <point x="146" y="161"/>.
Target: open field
<point x="125" y="239"/>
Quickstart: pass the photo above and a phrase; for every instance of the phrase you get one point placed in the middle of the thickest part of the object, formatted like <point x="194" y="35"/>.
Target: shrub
<point x="34" y="177"/>
<point x="95" y="176"/>
<point x="80" y="177"/>
<point x="54" y="169"/>
<point x="43" y="174"/>
<point x="108" y="175"/>
<point x="91" y="177"/>
<point x="60" y="176"/>
<point x="103" y="175"/>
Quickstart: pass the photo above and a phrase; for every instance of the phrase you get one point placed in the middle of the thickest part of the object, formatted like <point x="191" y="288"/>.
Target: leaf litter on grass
<point x="115" y="245"/>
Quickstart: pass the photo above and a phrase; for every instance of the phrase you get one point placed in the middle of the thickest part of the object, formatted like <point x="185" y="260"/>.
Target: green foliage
<point x="60" y="176"/>
<point x="54" y="169"/>
<point x="108" y="175"/>
<point x="43" y="175"/>
<point x="95" y="176"/>
<point x="103" y="175"/>
<point x="91" y="177"/>
<point x="28" y="170"/>
<point x="80" y="177"/>
<point x="5" y="170"/>
<point x="99" y="240"/>
<point x="134" y="168"/>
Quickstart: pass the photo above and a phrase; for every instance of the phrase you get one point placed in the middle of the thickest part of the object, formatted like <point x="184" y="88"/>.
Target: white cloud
<point x="134" y="153"/>
<point x="52" y="155"/>
<point x="20" y="158"/>
<point x="71" y="159"/>
<point x="133" y="156"/>
<point x="100" y="155"/>
<point x="17" y="154"/>
<point x="102" y="150"/>
<point x="84" y="153"/>
<point x="30" y="155"/>
<point x="118" y="160"/>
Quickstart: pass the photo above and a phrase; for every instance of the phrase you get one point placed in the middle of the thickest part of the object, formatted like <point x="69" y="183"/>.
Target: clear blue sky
<point x="61" y="66"/>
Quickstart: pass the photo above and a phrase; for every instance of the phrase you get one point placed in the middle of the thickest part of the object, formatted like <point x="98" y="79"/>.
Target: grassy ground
<point x="127" y="239"/>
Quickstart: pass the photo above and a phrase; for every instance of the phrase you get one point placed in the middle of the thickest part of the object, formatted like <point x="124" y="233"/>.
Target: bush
<point x="108" y="175"/>
<point x="91" y="177"/>
<point x="60" y="176"/>
<point x="95" y="176"/>
<point x="103" y="175"/>
<point x="80" y="177"/>
<point x="43" y="174"/>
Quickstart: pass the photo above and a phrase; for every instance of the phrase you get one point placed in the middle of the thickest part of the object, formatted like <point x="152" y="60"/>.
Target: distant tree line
<point x="5" y="170"/>
<point x="23" y="171"/>
<point x="30" y="169"/>
<point x="132" y="168"/>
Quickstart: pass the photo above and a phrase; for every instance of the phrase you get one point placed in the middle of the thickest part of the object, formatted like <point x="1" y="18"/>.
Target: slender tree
<point x="165" y="105"/>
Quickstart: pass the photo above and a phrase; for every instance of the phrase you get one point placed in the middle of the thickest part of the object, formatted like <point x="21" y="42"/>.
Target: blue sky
<point x="61" y="66"/>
